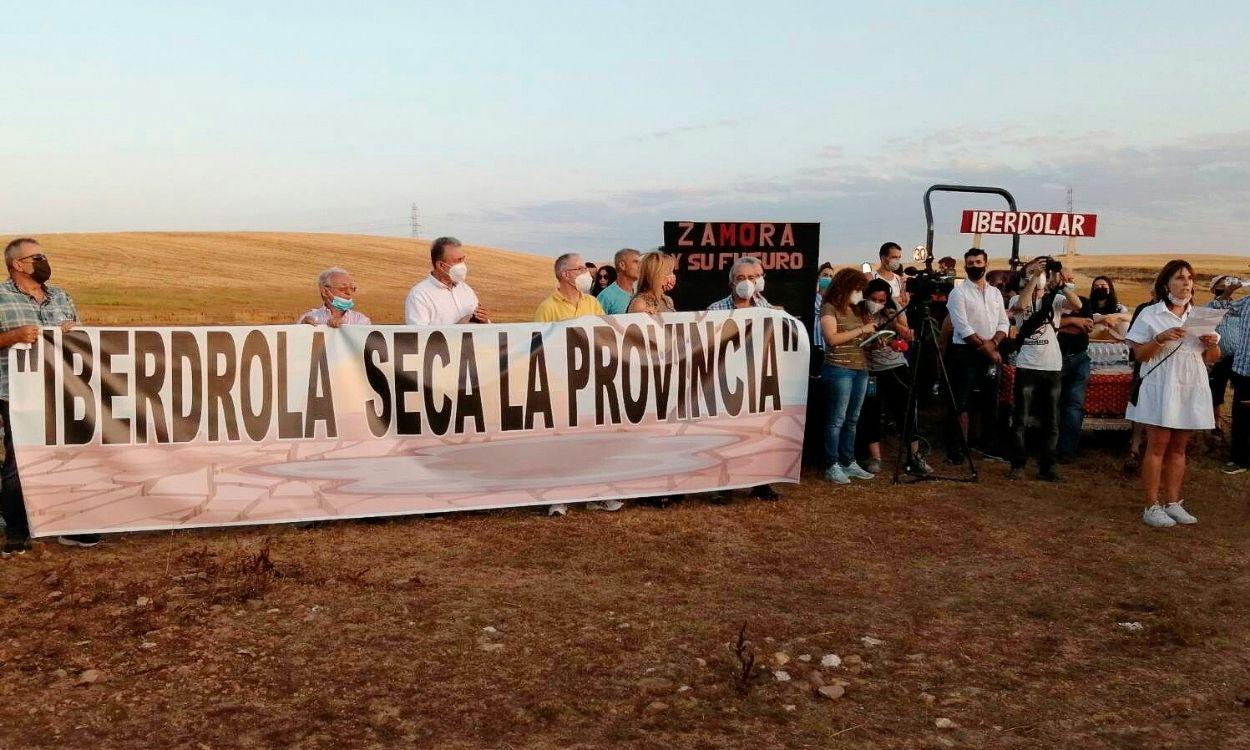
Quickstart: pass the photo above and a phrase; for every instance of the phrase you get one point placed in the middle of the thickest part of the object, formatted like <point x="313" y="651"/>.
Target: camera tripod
<point x="927" y="335"/>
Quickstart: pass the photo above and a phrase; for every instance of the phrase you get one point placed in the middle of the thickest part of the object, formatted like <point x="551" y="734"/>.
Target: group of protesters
<point x="867" y="378"/>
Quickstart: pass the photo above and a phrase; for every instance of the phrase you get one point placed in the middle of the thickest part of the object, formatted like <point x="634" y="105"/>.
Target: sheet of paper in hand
<point x="1203" y="320"/>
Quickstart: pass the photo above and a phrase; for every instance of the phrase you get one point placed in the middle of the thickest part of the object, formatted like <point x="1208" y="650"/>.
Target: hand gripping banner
<point x="128" y="429"/>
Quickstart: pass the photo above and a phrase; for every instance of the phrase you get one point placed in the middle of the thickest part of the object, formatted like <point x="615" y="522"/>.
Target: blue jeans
<point x="845" y="389"/>
<point x="1072" y="402"/>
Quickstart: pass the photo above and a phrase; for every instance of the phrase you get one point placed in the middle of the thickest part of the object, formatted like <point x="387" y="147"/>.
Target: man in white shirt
<point x="979" y="324"/>
<point x="889" y="270"/>
<point x="444" y="298"/>
<point x="1039" y="363"/>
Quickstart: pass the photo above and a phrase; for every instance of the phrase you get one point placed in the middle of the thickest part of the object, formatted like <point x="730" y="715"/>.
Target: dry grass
<point x="998" y="604"/>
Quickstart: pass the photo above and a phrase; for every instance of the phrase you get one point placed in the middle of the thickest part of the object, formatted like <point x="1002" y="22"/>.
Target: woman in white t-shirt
<point x="1173" y="398"/>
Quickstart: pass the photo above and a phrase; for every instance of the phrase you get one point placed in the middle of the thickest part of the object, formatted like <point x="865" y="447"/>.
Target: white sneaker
<point x="1155" y="516"/>
<point x="855" y="471"/>
<point x="1177" y="513"/>
<point x="559" y="509"/>
<point x="836" y="475"/>
<point x="609" y="505"/>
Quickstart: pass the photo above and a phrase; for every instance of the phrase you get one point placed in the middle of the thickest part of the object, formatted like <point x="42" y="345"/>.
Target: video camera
<point x="924" y="283"/>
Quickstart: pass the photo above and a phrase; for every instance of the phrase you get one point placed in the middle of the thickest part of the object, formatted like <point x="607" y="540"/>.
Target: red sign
<point x="1029" y="222"/>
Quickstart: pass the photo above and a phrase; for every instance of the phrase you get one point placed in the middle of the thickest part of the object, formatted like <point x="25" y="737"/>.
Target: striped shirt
<point x="17" y="309"/>
<point x="728" y="303"/>
<point x="1241" y="332"/>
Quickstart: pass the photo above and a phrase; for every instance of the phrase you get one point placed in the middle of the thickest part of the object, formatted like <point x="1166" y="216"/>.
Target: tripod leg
<point x="950" y="395"/>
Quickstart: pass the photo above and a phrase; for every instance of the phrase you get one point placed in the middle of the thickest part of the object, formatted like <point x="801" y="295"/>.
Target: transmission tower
<point x="1069" y="244"/>
<point x="415" y="221"/>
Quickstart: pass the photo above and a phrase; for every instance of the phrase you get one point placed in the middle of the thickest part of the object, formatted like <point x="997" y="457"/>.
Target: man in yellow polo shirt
<point x="571" y="298"/>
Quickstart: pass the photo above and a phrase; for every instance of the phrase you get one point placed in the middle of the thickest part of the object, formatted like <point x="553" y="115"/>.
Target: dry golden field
<point x="165" y="278"/>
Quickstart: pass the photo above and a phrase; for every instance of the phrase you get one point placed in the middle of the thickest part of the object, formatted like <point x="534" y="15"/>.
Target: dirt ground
<point x="1000" y="607"/>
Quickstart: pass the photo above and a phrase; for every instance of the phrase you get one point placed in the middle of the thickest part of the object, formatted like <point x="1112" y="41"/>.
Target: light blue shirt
<point x="615" y="300"/>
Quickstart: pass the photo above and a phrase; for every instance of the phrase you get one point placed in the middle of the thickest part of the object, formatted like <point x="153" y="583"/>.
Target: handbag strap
<point x="1176" y="349"/>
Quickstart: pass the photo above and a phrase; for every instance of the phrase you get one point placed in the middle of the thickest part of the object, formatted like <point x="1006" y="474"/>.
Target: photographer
<point x="1038" y="309"/>
<point x="979" y="324"/>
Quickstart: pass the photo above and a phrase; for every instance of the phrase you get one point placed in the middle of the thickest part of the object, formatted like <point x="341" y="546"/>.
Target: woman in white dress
<point x="1173" y="399"/>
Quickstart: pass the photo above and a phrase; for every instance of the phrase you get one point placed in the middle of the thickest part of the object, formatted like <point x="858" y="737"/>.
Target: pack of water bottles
<point x="1108" y="355"/>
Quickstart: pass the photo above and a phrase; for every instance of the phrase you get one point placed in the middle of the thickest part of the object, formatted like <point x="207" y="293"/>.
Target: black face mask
<point x="1098" y="295"/>
<point x="42" y="270"/>
<point x="975" y="272"/>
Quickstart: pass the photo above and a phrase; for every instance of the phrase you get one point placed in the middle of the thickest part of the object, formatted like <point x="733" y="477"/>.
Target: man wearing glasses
<point x="27" y="304"/>
<point x="338" y="302"/>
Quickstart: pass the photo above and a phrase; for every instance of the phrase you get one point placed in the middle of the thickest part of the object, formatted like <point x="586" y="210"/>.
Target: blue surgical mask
<point x="342" y="305"/>
<point x="824" y="283"/>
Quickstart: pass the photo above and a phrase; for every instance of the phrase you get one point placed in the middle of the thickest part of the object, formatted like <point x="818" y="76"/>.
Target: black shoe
<point x="17" y="547"/>
<point x="766" y="492"/>
<point x="656" y="502"/>
<point x="1049" y="475"/>
<point x="79" y="540"/>
<point x="721" y="497"/>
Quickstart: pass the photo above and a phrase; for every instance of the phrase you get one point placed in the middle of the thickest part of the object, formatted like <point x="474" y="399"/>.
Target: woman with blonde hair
<point x="656" y="276"/>
<point x="844" y="325"/>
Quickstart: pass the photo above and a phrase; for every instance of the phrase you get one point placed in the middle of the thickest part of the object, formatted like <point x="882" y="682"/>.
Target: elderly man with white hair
<point x="338" y="303"/>
<point x="746" y="289"/>
<point x="746" y="286"/>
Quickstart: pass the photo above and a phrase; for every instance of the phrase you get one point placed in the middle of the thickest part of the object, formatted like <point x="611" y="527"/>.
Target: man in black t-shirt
<point x="1074" y="344"/>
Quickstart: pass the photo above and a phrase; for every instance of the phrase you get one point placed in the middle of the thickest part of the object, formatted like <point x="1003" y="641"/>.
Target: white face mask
<point x="856" y="298"/>
<point x="894" y="265"/>
<point x="759" y="285"/>
<point x="745" y="289"/>
<point x="583" y="282"/>
<point x="1182" y="301"/>
<point x="873" y="307"/>
<point x="459" y="272"/>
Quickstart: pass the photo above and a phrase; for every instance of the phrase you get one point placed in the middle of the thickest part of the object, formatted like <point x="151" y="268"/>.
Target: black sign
<point x="706" y="250"/>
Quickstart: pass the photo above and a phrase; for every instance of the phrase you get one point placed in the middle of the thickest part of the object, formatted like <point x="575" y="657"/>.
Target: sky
<point x="552" y="127"/>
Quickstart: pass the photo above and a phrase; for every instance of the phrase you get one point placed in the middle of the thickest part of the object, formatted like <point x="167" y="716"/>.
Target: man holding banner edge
<point x="27" y="304"/>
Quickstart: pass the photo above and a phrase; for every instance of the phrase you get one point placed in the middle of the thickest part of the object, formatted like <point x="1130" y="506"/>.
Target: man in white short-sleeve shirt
<point x="444" y="298"/>
<point x="1039" y="363"/>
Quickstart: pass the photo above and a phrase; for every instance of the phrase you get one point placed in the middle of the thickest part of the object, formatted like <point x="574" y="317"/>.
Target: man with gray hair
<point x="746" y="287"/>
<point x="444" y="298"/>
<point x="615" y="299"/>
<point x="27" y="304"/>
<point x="338" y="302"/>
<point x="572" y="298"/>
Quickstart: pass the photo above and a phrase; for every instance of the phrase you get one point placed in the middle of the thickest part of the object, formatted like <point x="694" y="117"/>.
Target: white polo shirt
<point x="973" y="310"/>
<point x="433" y="303"/>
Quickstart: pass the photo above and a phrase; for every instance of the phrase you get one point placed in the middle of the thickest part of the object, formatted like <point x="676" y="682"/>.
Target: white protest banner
<point x="125" y="429"/>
